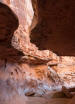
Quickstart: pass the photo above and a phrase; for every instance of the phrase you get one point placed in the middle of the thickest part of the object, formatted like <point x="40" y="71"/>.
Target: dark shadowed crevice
<point x="8" y="24"/>
<point x="56" y="27"/>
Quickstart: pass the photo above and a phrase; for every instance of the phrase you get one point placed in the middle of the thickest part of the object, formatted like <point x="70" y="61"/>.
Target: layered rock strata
<point x="23" y="66"/>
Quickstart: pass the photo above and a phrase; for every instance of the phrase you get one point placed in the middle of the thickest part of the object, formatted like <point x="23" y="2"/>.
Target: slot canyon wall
<point x="27" y="63"/>
<point x="55" y="27"/>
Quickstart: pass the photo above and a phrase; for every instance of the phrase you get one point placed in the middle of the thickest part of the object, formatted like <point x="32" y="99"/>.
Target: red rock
<point x="22" y="63"/>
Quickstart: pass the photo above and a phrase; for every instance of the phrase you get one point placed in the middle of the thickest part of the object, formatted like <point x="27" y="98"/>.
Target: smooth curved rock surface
<point x="23" y="67"/>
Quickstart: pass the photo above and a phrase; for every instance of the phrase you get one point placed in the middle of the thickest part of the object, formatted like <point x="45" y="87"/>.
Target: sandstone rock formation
<point x="23" y="67"/>
<point x="55" y="27"/>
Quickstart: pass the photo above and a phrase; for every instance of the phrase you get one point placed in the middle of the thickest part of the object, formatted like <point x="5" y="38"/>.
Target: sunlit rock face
<point x="23" y="67"/>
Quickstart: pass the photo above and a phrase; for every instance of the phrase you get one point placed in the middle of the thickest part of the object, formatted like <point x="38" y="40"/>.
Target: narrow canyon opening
<point x="37" y="52"/>
<point x="55" y="29"/>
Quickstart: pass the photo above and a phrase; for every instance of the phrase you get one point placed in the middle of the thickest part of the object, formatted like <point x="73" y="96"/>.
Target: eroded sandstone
<point x="23" y="67"/>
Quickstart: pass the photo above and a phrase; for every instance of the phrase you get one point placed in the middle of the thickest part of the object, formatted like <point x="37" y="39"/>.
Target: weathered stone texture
<point x="23" y="66"/>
